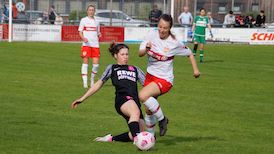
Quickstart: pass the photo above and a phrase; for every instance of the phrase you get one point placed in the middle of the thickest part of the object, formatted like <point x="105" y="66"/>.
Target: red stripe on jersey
<point x="158" y="56"/>
<point x="90" y="28"/>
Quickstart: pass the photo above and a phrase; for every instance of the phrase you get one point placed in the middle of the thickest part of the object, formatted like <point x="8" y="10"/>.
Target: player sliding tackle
<point x="161" y="46"/>
<point x="124" y="78"/>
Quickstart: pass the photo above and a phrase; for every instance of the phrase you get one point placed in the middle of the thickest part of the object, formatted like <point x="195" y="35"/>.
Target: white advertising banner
<point x="1" y="32"/>
<point x="230" y="35"/>
<point x="135" y="34"/>
<point x="243" y="35"/>
<point x="262" y="36"/>
<point x="50" y="33"/>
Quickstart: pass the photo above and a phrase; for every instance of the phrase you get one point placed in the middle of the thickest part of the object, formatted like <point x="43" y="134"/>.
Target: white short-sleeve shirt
<point x="169" y="48"/>
<point x="91" y="30"/>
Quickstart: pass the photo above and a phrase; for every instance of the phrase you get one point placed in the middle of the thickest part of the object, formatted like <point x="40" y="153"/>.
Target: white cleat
<point x="107" y="138"/>
<point x="85" y="86"/>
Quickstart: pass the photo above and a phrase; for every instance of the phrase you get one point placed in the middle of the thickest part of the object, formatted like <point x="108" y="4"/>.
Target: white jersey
<point x="163" y="48"/>
<point x="91" y="30"/>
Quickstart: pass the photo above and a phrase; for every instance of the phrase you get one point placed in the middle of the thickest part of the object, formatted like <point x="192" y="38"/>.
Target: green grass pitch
<point x="229" y="109"/>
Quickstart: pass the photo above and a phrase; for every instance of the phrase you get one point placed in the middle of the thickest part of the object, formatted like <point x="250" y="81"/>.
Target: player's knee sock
<point x="153" y="105"/>
<point x="150" y="121"/>
<point x="94" y="72"/>
<point x="134" y="128"/>
<point x="201" y="55"/>
<point x="122" y="137"/>
<point x="84" y="72"/>
<point x="195" y="49"/>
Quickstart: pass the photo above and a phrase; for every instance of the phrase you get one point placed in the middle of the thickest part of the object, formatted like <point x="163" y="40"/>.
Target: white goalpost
<point x="10" y="20"/>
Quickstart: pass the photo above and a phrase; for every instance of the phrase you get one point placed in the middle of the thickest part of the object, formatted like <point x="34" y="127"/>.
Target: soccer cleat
<point x="85" y="86"/>
<point x="163" y="126"/>
<point x="135" y="139"/>
<point x="107" y="138"/>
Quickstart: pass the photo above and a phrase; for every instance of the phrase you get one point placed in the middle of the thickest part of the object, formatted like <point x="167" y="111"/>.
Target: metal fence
<point x="71" y="11"/>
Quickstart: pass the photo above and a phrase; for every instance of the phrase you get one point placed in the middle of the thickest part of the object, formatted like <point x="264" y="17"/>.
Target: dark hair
<point x="168" y="18"/>
<point x="230" y="12"/>
<point x="202" y="9"/>
<point x="115" y="48"/>
<point x="262" y="11"/>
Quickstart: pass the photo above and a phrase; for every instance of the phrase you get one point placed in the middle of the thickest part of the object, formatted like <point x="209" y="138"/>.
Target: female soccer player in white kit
<point x="161" y="46"/>
<point x="89" y="31"/>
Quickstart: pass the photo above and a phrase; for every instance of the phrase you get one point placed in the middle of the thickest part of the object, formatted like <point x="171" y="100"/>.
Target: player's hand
<point x="148" y="46"/>
<point x="75" y="103"/>
<point x="196" y="74"/>
<point x="85" y="40"/>
<point x="211" y="35"/>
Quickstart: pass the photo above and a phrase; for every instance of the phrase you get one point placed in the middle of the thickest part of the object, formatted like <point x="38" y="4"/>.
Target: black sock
<point x="122" y="137"/>
<point x="134" y="128"/>
<point x="195" y="47"/>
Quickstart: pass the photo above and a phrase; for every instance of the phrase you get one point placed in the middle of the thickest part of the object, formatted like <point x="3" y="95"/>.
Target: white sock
<point x="93" y="73"/>
<point x="150" y="121"/>
<point x="84" y="72"/>
<point x="152" y="104"/>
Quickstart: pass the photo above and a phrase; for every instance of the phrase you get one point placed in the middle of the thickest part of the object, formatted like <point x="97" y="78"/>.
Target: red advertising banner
<point x="109" y="34"/>
<point x="5" y="31"/>
<point x="70" y="33"/>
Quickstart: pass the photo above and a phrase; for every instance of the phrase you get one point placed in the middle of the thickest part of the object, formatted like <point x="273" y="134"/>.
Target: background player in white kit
<point x="161" y="46"/>
<point x="89" y="31"/>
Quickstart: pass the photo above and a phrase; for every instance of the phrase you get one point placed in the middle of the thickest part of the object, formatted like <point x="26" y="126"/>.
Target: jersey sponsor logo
<point x="86" y="28"/>
<point x="129" y="75"/>
<point x="131" y="68"/>
<point x="84" y="53"/>
<point x="166" y="49"/>
<point x="262" y="37"/>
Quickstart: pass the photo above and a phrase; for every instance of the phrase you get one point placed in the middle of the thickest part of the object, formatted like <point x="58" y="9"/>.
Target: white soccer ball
<point x="144" y="141"/>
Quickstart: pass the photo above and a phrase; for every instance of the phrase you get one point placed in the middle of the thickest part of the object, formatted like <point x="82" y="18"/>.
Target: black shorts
<point x="121" y="99"/>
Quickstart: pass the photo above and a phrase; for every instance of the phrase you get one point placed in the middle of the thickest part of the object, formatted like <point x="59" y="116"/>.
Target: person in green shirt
<point x="199" y="28"/>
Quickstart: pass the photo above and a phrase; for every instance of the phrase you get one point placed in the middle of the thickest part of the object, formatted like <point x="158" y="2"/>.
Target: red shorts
<point x="90" y="52"/>
<point x="163" y="85"/>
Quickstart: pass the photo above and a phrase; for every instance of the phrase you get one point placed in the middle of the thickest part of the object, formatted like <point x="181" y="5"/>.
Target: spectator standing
<point x="185" y="18"/>
<point x="260" y="19"/>
<point x="229" y="20"/>
<point x="154" y="16"/>
<point x="210" y="19"/>
<point x="14" y="11"/>
<point x="52" y="14"/>
<point x="1" y="14"/>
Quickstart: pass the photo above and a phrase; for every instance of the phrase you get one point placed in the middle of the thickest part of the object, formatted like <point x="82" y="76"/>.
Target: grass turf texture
<point x="228" y="110"/>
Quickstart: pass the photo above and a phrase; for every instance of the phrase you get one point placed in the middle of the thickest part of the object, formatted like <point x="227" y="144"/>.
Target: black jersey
<point x="124" y="78"/>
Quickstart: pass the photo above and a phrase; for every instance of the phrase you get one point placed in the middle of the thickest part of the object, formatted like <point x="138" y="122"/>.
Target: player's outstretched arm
<point x="196" y="72"/>
<point x="143" y="52"/>
<point x="90" y="92"/>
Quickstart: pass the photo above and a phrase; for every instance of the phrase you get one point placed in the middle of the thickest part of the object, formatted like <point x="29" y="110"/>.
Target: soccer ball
<point x="144" y="141"/>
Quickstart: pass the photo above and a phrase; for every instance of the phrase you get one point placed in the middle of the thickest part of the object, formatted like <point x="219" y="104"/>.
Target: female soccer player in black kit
<point x="124" y="78"/>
